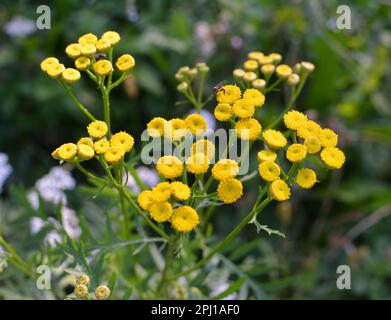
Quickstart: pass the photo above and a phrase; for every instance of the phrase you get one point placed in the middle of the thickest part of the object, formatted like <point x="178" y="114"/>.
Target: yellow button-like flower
<point x="296" y="152"/>
<point x="123" y="140"/>
<point x="309" y="128"/>
<point x="67" y="151"/>
<point x="97" y="129"/>
<point x="180" y="190"/>
<point x="49" y="63"/>
<point x="196" y="124"/>
<point x="333" y="157"/>
<point x="230" y="190"/>
<point x="88" y="38"/>
<point x="155" y="127"/>
<point x="146" y="199"/>
<point x="86" y="141"/>
<point x="83" y="279"/>
<point x="103" y="67"/>
<point x="293" y="79"/>
<point x="197" y="163"/>
<point x="85" y="152"/>
<point x="268" y="69"/>
<point x="255" y="97"/>
<point x="294" y="119"/>
<point x="238" y="73"/>
<point x="169" y="167"/>
<point x="73" y="50"/>
<point x="228" y="94"/>
<point x="125" y="63"/>
<point x="223" y="112"/>
<point x="102" y="45"/>
<point x="162" y="191"/>
<point x="328" y="138"/>
<point x="204" y="146"/>
<point x="82" y="63"/>
<point x="55" y="154"/>
<point x="243" y="108"/>
<point x="175" y="129"/>
<point x="56" y="70"/>
<point x="102" y="292"/>
<point x="283" y="71"/>
<point x="112" y="36"/>
<point x="266" y="155"/>
<point x="274" y="139"/>
<point x="70" y="75"/>
<point x="306" y="178"/>
<point x="101" y="146"/>
<point x="114" y="155"/>
<point x="161" y="211"/>
<point x="269" y="170"/>
<point x="279" y="190"/>
<point x="225" y="169"/>
<point x="88" y="49"/>
<point x="255" y="55"/>
<point x="313" y="144"/>
<point x="276" y="57"/>
<point x="250" y="65"/>
<point x="248" y="129"/>
<point x="81" y="291"/>
<point x="265" y="60"/>
<point x="184" y="219"/>
<point x="258" y="84"/>
<point x="249" y="76"/>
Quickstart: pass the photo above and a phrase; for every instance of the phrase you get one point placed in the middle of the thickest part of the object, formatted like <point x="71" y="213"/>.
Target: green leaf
<point x="112" y="282"/>
<point x="231" y="289"/>
<point x="270" y="231"/>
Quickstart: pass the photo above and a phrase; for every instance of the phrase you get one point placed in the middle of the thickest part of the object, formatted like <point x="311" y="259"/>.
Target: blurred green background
<point x="344" y="220"/>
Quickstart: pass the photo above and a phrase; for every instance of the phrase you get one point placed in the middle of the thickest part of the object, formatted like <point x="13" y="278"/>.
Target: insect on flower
<point x="219" y="86"/>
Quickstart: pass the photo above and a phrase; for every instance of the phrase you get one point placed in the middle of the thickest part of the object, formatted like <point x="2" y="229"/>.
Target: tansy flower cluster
<point x="90" y="54"/>
<point x="81" y="291"/>
<point x="97" y="144"/>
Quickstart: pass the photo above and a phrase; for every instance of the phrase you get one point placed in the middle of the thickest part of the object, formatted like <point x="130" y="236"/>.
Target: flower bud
<point x="84" y="280"/>
<point x="276" y="57"/>
<point x="102" y="292"/>
<point x="250" y="65"/>
<point x="193" y="72"/>
<point x="268" y="69"/>
<point x="308" y="67"/>
<point x="297" y="68"/>
<point x="258" y="84"/>
<point x="81" y="291"/>
<point x="182" y="87"/>
<point x="238" y="73"/>
<point x="249" y="76"/>
<point x="293" y="79"/>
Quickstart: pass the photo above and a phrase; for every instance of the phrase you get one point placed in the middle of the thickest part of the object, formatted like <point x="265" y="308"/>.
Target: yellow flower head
<point x="283" y="71"/>
<point x="196" y="124"/>
<point x="268" y="69"/>
<point x="238" y="73"/>
<point x="85" y="152"/>
<point x="255" y="97"/>
<point x="86" y="141"/>
<point x="161" y="211"/>
<point x="248" y="129"/>
<point x="313" y="144"/>
<point x="197" y="163"/>
<point x="294" y="119"/>
<point x="155" y="127"/>
<point x="258" y="84"/>
<point x="125" y="63"/>
<point x="83" y="279"/>
<point x="123" y="140"/>
<point x="82" y="63"/>
<point x="112" y="36"/>
<point x="70" y="75"/>
<point x="180" y="191"/>
<point x="306" y="178"/>
<point x="269" y="170"/>
<point x="55" y="154"/>
<point x="309" y="128"/>
<point x="169" y="167"/>
<point x="274" y="139"/>
<point x="101" y="146"/>
<point x="249" y="76"/>
<point x="81" y="291"/>
<point x="73" y="50"/>
<point x="184" y="219"/>
<point x="228" y="94"/>
<point x="88" y="38"/>
<point x="97" y="129"/>
<point x="87" y="49"/>
<point x="56" y="70"/>
<point x="333" y="157"/>
<point x="223" y="112"/>
<point x="162" y="191"/>
<point x="328" y="138"/>
<point x="230" y="190"/>
<point x="67" y="151"/>
<point x="266" y="155"/>
<point x="225" y="169"/>
<point x="145" y="199"/>
<point x="103" y="45"/>
<point x="204" y="146"/>
<point x="114" y="154"/>
<point x="296" y="152"/>
<point x="293" y="79"/>
<point x="49" y="63"/>
<point x="255" y="55"/>
<point x="175" y="129"/>
<point x="243" y="108"/>
<point x="276" y="57"/>
<point x="265" y="60"/>
<point x="102" y="292"/>
<point x="103" y="67"/>
<point x="279" y="190"/>
<point x="250" y="65"/>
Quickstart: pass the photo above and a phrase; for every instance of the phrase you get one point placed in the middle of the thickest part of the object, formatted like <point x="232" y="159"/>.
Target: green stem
<point x="168" y="260"/>
<point x="119" y="81"/>
<point x="106" y="107"/>
<point x="137" y="178"/>
<point x="89" y="174"/>
<point x="15" y="259"/>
